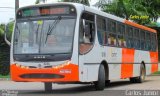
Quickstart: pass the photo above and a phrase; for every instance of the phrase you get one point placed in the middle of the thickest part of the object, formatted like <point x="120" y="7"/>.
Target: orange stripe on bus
<point x="154" y="59"/>
<point x="127" y="69"/>
<point x="17" y="71"/>
<point x="139" y="26"/>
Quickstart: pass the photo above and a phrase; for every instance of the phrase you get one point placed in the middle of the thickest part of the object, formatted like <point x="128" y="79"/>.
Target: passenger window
<point x="129" y="36"/>
<point x="112" y="41"/>
<point x="153" y="41"/>
<point x="87" y="33"/>
<point x="120" y="32"/>
<point x="113" y="26"/>
<point x="101" y="31"/>
<point x="137" y="39"/>
<point x="112" y="36"/>
<point x="148" y="41"/>
<point x="142" y="40"/>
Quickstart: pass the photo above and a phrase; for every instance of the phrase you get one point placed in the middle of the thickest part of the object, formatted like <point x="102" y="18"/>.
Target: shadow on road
<point x="72" y="90"/>
<point x="122" y="83"/>
<point x="79" y="89"/>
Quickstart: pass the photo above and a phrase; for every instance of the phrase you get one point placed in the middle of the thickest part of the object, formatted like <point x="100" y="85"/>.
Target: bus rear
<point x="42" y="45"/>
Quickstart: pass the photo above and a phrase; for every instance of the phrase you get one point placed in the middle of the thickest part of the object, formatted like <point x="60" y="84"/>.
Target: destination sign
<point x="45" y="11"/>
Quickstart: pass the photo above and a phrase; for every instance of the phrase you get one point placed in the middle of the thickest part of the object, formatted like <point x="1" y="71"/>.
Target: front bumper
<point x="66" y="73"/>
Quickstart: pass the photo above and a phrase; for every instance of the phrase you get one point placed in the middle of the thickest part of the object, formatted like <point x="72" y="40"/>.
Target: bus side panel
<point x="154" y="60"/>
<point x="137" y="62"/>
<point x="114" y="59"/>
<point x="144" y="56"/>
<point x="127" y="63"/>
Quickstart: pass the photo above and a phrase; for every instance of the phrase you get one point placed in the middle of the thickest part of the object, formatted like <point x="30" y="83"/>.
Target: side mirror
<point x="84" y="24"/>
<point x="85" y="27"/>
<point x="6" y="34"/>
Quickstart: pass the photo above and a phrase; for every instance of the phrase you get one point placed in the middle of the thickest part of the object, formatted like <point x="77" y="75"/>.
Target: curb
<point x="4" y="79"/>
<point x="154" y="75"/>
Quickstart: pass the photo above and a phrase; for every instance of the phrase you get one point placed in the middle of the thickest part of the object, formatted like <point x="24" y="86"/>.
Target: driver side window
<point x="87" y="33"/>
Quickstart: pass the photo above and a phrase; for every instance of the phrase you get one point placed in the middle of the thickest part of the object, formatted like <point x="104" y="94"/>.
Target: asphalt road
<point x="116" y="88"/>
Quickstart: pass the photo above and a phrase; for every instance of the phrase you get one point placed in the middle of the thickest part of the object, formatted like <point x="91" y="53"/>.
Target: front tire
<point x="48" y="86"/>
<point x="100" y="84"/>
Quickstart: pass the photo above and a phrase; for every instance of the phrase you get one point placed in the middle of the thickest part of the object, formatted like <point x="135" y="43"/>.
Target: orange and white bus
<point x="73" y="43"/>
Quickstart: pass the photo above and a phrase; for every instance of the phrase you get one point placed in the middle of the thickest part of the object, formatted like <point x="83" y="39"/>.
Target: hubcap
<point x="143" y="74"/>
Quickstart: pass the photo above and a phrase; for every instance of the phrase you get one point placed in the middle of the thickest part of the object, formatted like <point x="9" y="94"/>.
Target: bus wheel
<point x="48" y="86"/>
<point x="140" y="78"/>
<point x="100" y="84"/>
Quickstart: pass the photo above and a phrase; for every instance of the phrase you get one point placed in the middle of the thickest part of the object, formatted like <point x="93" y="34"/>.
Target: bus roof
<point x="139" y="26"/>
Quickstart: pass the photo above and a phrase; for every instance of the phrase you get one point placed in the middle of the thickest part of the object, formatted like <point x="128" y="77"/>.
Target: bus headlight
<point x="22" y="66"/>
<point x="62" y="65"/>
<point x="27" y="67"/>
<point x="17" y="65"/>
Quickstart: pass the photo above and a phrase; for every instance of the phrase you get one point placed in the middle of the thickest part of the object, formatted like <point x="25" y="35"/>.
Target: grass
<point x="7" y="76"/>
<point x="158" y="72"/>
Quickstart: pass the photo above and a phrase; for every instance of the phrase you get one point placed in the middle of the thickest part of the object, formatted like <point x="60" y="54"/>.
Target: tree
<point x="2" y="28"/>
<point x="5" y="49"/>
<point x="128" y="8"/>
<point x="37" y="2"/>
<point x="1" y="31"/>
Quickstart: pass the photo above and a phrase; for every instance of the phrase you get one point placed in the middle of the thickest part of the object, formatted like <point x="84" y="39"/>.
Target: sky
<point x="7" y="14"/>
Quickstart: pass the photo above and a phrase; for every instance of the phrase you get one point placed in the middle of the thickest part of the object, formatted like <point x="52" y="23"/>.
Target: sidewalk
<point x="159" y="66"/>
<point x="4" y="79"/>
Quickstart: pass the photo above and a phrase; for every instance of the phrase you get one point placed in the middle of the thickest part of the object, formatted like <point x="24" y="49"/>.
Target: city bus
<point x="75" y="44"/>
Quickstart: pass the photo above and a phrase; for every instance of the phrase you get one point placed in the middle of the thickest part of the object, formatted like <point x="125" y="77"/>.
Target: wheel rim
<point x="143" y="74"/>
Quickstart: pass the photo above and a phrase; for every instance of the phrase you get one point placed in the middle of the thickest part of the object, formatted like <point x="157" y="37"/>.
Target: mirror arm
<point x="5" y="37"/>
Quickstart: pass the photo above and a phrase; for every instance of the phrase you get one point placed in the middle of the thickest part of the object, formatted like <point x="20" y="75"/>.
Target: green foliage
<point x="7" y="76"/>
<point x="139" y="8"/>
<point x="10" y="30"/>
<point x="4" y="50"/>
<point x="37" y="2"/>
<point x="2" y="26"/>
<point x="1" y="31"/>
<point x="157" y="73"/>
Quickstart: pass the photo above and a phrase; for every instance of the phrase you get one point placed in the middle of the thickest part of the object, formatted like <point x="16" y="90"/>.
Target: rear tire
<point x="133" y="80"/>
<point x="48" y="86"/>
<point x="140" y="78"/>
<point x="100" y="84"/>
<point x="107" y="82"/>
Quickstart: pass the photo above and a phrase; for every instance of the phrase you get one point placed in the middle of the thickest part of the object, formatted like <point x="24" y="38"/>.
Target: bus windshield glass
<point x="44" y="36"/>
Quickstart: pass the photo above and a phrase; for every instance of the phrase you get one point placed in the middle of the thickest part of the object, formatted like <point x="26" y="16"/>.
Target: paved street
<point x="37" y="89"/>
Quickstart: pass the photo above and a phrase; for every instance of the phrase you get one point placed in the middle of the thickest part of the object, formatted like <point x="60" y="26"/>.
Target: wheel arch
<point x="105" y="64"/>
<point x="143" y="63"/>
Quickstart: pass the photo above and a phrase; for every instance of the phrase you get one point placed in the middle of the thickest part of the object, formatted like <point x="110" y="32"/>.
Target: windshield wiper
<point x="37" y="33"/>
<point x="58" y="19"/>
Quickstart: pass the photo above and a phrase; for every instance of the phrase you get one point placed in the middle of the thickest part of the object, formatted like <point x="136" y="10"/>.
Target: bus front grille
<point x="41" y="76"/>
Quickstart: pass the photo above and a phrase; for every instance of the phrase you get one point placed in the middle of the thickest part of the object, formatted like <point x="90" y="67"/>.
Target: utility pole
<point x="16" y="5"/>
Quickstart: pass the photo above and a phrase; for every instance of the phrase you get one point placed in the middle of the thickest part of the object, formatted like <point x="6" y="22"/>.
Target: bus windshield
<point x="44" y="36"/>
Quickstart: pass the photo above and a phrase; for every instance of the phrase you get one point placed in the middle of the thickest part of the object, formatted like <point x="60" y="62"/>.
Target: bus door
<point x="86" y="40"/>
